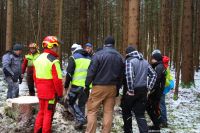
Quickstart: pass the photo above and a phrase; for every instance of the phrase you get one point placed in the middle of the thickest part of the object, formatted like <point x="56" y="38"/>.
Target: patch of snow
<point x="183" y="114"/>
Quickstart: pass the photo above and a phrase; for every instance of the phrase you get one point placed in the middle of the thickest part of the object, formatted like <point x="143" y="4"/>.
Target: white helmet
<point x="156" y="51"/>
<point x="75" y="47"/>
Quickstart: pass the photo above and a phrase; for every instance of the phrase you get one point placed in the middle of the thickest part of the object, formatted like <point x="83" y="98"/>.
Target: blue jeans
<point x="163" y="109"/>
<point x="13" y="88"/>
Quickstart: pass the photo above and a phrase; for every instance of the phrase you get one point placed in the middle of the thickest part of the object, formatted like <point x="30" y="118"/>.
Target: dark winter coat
<point x="158" y="88"/>
<point x="12" y="65"/>
<point x="106" y="68"/>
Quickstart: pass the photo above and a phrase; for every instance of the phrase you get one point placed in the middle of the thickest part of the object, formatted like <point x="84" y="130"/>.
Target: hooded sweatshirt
<point x="139" y="73"/>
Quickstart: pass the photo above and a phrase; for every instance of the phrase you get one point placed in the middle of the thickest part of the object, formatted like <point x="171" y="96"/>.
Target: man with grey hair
<point x="12" y="62"/>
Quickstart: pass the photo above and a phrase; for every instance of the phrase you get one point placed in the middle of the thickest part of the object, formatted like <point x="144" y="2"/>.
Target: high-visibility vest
<point x="31" y="58"/>
<point x="80" y="73"/>
<point x="43" y="66"/>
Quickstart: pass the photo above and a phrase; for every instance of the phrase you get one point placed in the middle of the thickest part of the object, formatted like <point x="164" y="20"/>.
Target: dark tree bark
<point x="187" y="70"/>
<point x="125" y="24"/>
<point x="2" y="27"/>
<point x="197" y="37"/>
<point x="165" y="27"/>
<point x="58" y="23"/>
<point x="179" y="50"/>
<point x="9" y="24"/>
<point x="133" y="24"/>
<point x="83" y="22"/>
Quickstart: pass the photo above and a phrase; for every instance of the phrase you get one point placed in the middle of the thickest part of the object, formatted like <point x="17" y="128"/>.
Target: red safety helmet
<point x="50" y="42"/>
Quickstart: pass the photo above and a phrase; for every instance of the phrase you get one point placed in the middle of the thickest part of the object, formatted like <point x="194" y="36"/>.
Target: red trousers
<point x="44" y="117"/>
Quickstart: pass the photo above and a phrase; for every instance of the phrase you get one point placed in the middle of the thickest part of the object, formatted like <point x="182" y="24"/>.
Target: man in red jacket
<point x="28" y="64"/>
<point x="48" y="80"/>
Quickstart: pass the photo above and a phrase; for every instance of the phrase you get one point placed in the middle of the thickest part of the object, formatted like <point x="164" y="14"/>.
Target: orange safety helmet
<point x="33" y="45"/>
<point x="49" y="42"/>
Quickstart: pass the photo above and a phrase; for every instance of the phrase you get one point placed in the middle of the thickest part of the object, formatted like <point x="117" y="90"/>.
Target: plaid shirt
<point x="151" y="79"/>
<point x="130" y="75"/>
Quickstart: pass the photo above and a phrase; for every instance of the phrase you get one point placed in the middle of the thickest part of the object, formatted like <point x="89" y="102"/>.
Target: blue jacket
<point x="12" y="64"/>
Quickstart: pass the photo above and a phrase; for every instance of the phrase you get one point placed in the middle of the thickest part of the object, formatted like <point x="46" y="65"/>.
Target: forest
<point x="172" y="26"/>
<point x="169" y="25"/>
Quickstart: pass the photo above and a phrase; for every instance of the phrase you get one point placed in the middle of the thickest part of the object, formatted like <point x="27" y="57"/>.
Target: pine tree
<point x="187" y="70"/>
<point x="9" y="24"/>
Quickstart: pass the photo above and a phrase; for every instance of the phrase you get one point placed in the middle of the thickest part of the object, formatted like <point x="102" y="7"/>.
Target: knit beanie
<point x="17" y="47"/>
<point x="130" y="49"/>
<point x="157" y="56"/>
<point x="109" y="40"/>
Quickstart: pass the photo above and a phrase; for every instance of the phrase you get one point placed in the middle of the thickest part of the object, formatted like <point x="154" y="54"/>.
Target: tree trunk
<point x="187" y="70"/>
<point x="2" y="28"/>
<point x="146" y="31"/>
<point x="151" y="31"/>
<point x="83" y="29"/>
<point x="133" y="22"/>
<point x="106" y="18"/>
<point x="179" y="50"/>
<point x="197" y="48"/>
<point x="58" y="23"/>
<point x="22" y="109"/>
<point x="9" y="24"/>
<point x="165" y="27"/>
<point x="175" y="32"/>
<point x="125" y="24"/>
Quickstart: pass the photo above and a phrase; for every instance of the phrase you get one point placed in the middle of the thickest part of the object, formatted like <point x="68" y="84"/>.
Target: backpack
<point x="169" y="82"/>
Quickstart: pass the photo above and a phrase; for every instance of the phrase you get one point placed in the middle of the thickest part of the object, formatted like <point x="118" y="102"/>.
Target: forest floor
<point x="183" y="114"/>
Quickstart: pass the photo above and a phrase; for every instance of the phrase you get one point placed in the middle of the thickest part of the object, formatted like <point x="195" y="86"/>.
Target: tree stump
<point x="22" y="109"/>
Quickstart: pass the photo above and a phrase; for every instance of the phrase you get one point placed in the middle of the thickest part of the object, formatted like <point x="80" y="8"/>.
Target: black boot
<point x="164" y="125"/>
<point x="78" y="126"/>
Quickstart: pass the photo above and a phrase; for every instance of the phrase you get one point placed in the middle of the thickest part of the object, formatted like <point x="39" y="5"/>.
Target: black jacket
<point x="106" y="68"/>
<point x="158" y="88"/>
<point x="71" y="66"/>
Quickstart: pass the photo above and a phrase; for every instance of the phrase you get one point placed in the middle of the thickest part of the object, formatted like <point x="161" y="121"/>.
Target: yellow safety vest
<point x="80" y="72"/>
<point x="31" y="58"/>
<point x="43" y="67"/>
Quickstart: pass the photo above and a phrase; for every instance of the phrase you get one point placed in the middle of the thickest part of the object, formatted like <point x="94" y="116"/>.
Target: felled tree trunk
<point x="22" y="109"/>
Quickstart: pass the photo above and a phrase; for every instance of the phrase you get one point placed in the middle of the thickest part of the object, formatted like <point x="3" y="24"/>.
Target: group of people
<point x="93" y="79"/>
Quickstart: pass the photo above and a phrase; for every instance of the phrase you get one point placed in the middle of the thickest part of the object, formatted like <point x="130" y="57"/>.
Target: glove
<point x="87" y="91"/>
<point x="22" y="76"/>
<point x="20" y="80"/>
<point x="15" y="78"/>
